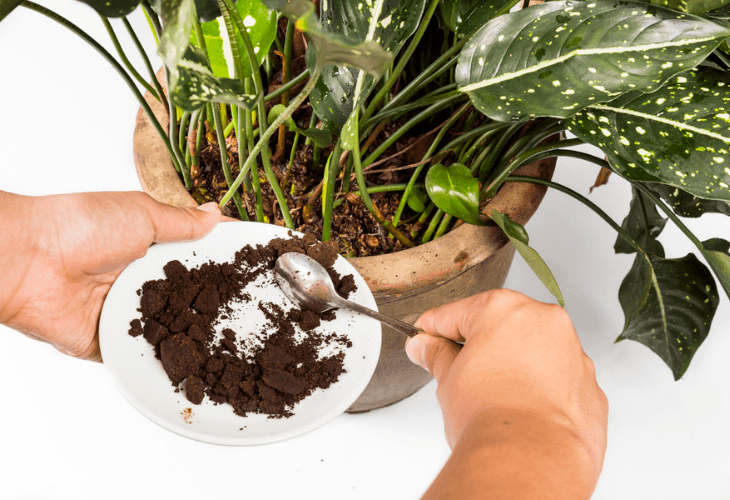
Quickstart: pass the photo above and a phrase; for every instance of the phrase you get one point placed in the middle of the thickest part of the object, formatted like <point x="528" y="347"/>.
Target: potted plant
<point x="414" y="115"/>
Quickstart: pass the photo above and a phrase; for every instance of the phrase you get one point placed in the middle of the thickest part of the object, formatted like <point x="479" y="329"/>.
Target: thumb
<point x="432" y="353"/>
<point x="183" y="223"/>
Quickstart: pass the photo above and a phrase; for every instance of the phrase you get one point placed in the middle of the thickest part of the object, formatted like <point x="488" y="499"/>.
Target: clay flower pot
<point x="465" y="261"/>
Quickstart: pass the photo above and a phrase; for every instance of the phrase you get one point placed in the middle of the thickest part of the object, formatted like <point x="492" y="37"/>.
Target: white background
<point x="66" y="122"/>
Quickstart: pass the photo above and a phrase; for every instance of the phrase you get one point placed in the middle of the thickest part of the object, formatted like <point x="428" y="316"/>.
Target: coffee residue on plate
<point x="255" y="372"/>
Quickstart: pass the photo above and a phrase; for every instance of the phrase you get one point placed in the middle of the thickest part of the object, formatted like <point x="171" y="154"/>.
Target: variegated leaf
<point x="385" y="23"/>
<point x="177" y="21"/>
<point x="669" y="306"/>
<point x="686" y="205"/>
<point x="106" y="8"/>
<point x="556" y="58"/>
<point x="678" y="135"/>
<point x="196" y="85"/>
<point x="214" y="44"/>
<point x="466" y="16"/>
<point x="691" y="6"/>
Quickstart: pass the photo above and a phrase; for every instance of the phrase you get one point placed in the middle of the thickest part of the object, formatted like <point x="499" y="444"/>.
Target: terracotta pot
<point x="466" y="261"/>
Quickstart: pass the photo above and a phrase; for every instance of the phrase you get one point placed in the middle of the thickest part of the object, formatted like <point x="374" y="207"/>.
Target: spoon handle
<point x="399" y="326"/>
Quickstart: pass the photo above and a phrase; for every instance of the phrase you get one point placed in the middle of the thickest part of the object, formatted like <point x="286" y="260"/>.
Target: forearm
<point x="515" y="455"/>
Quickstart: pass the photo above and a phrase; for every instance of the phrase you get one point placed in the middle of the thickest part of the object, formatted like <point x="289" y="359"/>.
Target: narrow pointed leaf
<point x="691" y="6"/>
<point x="669" y="306"/>
<point x="387" y="24"/>
<point x="177" y="21"/>
<point x="678" y="135"/>
<point x="196" y="85"/>
<point x="518" y="236"/>
<point x="686" y="205"/>
<point x="644" y="224"/>
<point x="558" y="57"/>
<point x="106" y="8"/>
<point x="454" y="190"/>
<point x="717" y="253"/>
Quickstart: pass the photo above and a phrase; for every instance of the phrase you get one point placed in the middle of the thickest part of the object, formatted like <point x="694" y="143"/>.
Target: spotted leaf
<point x="686" y="205"/>
<point x="196" y="85"/>
<point x="106" y="8"/>
<point x="556" y="58"/>
<point x="385" y="23"/>
<point x="518" y="236"/>
<point x="678" y="135"/>
<point x="717" y="253"/>
<point x="454" y="190"/>
<point x="691" y="6"/>
<point x="466" y="16"/>
<point x="643" y="224"/>
<point x="177" y="21"/>
<point x="669" y="305"/>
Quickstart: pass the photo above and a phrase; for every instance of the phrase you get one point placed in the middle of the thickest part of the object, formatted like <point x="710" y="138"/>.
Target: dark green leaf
<point x="208" y="10"/>
<point x="643" y="223"/>
<point x="558" y="57"/>
<point x="106" y="8"/>
<point x="717" y="253"/>
<point x="177" y="21"/>
<point x="196" y="85"/>
<point x="454" y="190"/>
<point x="691" y="6"/>
<point x="417" y="199"/>
<point x="669" y="306"/>
<point x="387" y="24"/>
<point x="321" y="138"/>
<point x="686" y="205"/>
<point x="466" y="16"/>
<point x="518" y="236"/>
<point x="678" y="135"/>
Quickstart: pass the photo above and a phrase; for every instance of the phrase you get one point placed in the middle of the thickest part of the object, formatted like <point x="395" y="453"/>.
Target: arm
<point x="522" y="410"/>
<point x="60" y="255"/>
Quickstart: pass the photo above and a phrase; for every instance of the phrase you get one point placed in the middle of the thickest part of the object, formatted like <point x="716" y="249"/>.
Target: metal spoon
<point x="308" y="284"/>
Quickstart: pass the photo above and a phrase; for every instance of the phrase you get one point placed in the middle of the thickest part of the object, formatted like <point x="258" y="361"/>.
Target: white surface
<point x="67" y="433"/>
<point x="143" y="381"/>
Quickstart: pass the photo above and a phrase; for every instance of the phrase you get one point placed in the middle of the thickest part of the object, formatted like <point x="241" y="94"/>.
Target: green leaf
<point x="691" y="6"/>
<point x="214" y="44"/>
<point x="454" y="190"/>
<point x="177" y="21"/>
<point x="466" y="16"/>
<point x="106" y="8"/>
<point x="686" y="205"/>
<point x="386" y="24"/>
<point x="260" y="23"/>
<point x="717" y="253"/>
<point x="196" y="85"/>
<point x="669" y="305"/>
<point x="417" y="199"/>
<point x="678" y="135"/>
<point x="556" y="58"/>
<point x="208" y="10"/>
<point x="518" y="236"/>
<point x="644" y="224"/>
<point x="276" y="111"/>
<point x="321" y="138"/>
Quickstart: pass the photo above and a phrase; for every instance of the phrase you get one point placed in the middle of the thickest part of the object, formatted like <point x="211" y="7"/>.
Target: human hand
<point x="62" y="253"/>
<point x="518" y="355"/>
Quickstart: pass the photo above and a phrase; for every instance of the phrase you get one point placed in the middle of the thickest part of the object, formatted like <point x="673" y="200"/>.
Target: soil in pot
<point x="261" y="372"/>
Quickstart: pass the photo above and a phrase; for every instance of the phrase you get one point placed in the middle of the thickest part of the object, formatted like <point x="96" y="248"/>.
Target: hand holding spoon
<point x="308" y="284"/>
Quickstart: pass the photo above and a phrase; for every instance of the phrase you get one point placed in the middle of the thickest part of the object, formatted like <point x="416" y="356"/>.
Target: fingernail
<point x="415" y="350"/>
<point x="208" y="207"/>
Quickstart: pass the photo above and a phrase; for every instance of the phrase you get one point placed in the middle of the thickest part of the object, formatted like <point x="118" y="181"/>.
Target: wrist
<point x="517" y="454"/>
<point x="15" y="236"/>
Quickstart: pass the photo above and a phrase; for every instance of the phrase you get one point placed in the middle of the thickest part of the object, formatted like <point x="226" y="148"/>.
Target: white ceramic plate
<point x="144" y="383"/>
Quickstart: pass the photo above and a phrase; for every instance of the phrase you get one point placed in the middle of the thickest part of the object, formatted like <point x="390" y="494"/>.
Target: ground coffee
<point x="269" y="375"/>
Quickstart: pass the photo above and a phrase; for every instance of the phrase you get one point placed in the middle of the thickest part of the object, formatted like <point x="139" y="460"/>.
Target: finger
<point x="434" y="354"/>
<point x="182" y="223"/>
<point x="467" y="317"/>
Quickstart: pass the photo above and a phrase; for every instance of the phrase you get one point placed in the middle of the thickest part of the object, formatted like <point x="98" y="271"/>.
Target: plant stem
<point x="293" y="105"/>
<point x="285" y="76"/>
<point x="119" y="69"/>
<point x="288" y="86"/>
<point x="120" y="52"/>
<point x="328" y="189"/>
<point x="389" y="188"/>
<point x="147" y="62"/>
<point x="677" y="221"/>
<point x="225" y="166"/>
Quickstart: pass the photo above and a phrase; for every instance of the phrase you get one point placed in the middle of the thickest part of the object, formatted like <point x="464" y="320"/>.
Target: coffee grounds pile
<point x="180" y="313"/>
